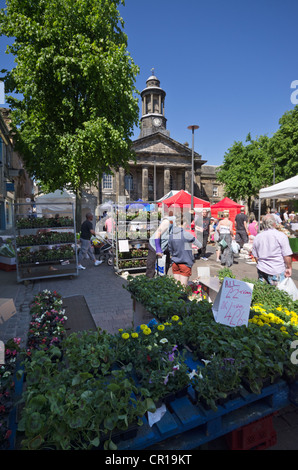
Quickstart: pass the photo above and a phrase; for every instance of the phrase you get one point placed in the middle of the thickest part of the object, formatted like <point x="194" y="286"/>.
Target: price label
<point x="232" y="304"/>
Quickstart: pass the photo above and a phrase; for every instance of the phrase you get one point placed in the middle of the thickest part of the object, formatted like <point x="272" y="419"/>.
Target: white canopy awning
<point x="287" y="189"/>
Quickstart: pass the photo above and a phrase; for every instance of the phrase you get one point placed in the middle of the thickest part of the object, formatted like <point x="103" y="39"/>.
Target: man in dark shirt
<point x="241" y="228"/>
<point x="85" y="238"/>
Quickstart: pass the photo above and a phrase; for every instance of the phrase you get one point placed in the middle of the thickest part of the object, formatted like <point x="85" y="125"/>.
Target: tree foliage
<point x="284" y="146"/>
<point x="76" y="78"/>
<point x="246" y="168"/>
<point x="249" y="166"/>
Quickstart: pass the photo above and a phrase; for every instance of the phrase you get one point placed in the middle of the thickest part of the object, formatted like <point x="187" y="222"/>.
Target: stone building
<point x="15" y="185"/>
<point x="161" y="163"/>
<point x="211" y="189"/>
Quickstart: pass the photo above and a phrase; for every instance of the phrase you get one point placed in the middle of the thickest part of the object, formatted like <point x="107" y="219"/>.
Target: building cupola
<point x="153" y="107"/>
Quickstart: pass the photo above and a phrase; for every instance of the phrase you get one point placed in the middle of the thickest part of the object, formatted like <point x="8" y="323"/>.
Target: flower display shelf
<point x="45" y="245"/>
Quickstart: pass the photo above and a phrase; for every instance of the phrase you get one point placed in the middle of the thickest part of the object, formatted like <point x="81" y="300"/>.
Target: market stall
<point x="223" y="205"/>
<point x="284" y="190"/>
<point x="183" y="199"/>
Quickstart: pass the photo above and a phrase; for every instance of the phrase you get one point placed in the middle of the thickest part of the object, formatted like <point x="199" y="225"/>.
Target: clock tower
<point x="153" y="108"/>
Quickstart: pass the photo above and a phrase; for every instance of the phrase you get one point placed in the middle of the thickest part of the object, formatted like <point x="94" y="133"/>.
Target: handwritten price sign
<point x="232" y="304"/>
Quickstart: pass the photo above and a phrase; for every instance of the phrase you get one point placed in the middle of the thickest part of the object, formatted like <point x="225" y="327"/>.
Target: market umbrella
<point x="108" y="205"/>
<point x="183" y="199"/>
<point x="137" y="205"/>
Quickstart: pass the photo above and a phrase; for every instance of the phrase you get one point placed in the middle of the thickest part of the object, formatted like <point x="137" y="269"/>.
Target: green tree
<point x="283" y="146"/>
<point x="246" y="168"/>
<point x="76" y="78"/>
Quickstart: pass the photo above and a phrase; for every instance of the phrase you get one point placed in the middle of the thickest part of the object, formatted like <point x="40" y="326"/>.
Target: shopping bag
<point x="235" y="247"/>
<point x="289" y="286"/>
<point x="160" y="266"/>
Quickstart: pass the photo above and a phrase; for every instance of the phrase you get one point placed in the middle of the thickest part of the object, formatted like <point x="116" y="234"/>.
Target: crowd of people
<point x="174" y="241"/>
<point x="179" y="234"/>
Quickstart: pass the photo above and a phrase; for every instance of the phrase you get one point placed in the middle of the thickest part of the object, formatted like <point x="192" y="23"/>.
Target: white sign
<point x="232" y="303"/>
<point x="123" y="246"/>
<point x="203" y="272"/>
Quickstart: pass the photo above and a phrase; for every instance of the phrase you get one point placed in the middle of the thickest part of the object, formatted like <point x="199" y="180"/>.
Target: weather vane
<point x="152" y="70"/>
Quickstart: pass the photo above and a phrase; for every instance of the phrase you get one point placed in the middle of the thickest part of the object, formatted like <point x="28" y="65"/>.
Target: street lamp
<point x="193" y="127"/>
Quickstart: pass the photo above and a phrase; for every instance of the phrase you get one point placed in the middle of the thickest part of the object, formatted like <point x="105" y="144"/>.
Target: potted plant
<point x="7" y="399"/>
<point x="216" y="382"/>
<point x="69" y="409"/>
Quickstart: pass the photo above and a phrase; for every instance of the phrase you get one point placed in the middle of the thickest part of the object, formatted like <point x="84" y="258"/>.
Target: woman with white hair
<point x="272" y="252"/>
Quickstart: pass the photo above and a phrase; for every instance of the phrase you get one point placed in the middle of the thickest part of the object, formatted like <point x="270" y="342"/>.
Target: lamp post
<point x="273" y="181"/>
<point x="193" y="127"/>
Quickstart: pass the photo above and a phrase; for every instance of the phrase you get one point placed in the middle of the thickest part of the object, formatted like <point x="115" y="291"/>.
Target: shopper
<point x="180" y="248"/>
<point x="226" y="233"/>
<point x="241" y="228"/>
<point x="158" y="245"/>
<point x="110" y="225"/>
<point x="85" y="239"/>
<point x="253" y="225"/>
<point x="276" y="216"/>
<point x="203" y="227"/>
<point x="272" y="252"/>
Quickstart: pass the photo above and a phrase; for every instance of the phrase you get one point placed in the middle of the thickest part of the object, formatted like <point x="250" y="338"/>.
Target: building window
<point x="129" y="182"/>
<point x="215" y="191"/>
<point x="183" y="180"/>
<point x="150" y="183"/>
<point x="107" y="181"/>
<point x="171" y="183"/>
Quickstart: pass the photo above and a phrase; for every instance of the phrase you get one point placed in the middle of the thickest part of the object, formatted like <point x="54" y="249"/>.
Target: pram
<point x="104" y="248"/>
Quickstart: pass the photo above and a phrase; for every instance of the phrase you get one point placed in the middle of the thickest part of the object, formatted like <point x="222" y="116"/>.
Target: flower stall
<point x="45" y="245"/>
<point x="180" y="374"/>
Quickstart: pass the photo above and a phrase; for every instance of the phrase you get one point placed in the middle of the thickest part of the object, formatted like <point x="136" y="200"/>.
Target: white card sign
<point x="232" y="303"/>
<point x="123" y="246"/>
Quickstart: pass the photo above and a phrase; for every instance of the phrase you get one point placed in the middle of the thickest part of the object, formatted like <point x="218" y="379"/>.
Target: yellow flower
<point x="134" y="335"/>
<point x="146" y="331"/>
<point x="125" y="336"/>
<point x="161" y="327"/>
<point x="175" y="318"/>
<point x="143" y="326"/>
<point x="120" y="330"/>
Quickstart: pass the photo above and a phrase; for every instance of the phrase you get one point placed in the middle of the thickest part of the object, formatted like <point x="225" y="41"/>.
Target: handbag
<point x="223" y="244"/>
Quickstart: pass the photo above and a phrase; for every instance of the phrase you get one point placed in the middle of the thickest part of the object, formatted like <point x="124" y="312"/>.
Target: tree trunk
<point x="78" y="210"/>
<point x="249" y="204"/>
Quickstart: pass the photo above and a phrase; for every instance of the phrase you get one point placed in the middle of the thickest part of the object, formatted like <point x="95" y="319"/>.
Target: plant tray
<point x="187" y="426"/>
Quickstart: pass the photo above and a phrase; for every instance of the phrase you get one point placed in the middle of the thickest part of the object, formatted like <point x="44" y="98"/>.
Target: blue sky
<point x="226" y="66"/>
